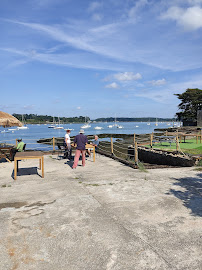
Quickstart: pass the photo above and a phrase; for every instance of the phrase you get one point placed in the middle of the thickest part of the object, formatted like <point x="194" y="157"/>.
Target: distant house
<point x="199" y="118"/>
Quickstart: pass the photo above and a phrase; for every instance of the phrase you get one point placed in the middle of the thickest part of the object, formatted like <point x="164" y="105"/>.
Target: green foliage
<point x="34" y="118"/>
<point x="132" y="119"/>
<point x="141" y="167"/>
<point x="191" y="102"/>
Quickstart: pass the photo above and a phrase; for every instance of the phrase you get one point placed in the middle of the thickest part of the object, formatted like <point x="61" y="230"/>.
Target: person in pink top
<point x="81" y="141"/>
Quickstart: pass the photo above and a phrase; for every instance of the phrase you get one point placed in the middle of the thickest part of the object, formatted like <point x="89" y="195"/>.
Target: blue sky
<point x="99" y="58"/>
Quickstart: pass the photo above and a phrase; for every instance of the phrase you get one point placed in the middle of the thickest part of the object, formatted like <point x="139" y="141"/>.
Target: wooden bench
<point x="29" y="155"/>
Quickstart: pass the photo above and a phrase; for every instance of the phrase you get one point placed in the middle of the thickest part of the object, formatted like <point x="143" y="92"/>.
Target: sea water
<point x="36" y="132"/>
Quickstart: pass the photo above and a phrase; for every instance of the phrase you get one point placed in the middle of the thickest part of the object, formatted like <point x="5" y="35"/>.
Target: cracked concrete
<point x="103" y="216"/>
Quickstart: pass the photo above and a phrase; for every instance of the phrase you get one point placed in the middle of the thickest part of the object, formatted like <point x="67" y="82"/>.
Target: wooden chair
<point x="5" y="152"/>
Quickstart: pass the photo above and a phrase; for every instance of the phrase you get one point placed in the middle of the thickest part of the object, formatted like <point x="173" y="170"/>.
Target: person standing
<point x="81" y="141"/>
<point x="68" y="153"/>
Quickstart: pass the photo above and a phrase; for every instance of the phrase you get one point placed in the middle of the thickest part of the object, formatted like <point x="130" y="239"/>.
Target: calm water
<point x="35" y="132"/>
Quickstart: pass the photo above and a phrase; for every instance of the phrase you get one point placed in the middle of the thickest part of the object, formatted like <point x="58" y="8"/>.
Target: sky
<point x="99" y="58"/>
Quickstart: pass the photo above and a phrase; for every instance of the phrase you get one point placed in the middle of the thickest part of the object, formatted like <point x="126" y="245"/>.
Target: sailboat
<point x="156" y="124"/>
<point x="58" y="127"/>
<point x="97" y="127"/>
<point x="86" y="125"/>
<point x="117" y="126"/>
<point x="23" y="121"/>
<point x="52" y="125"/>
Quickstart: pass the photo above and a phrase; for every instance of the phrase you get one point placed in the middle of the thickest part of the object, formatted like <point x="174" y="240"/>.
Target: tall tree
<point x="191" y="102"/>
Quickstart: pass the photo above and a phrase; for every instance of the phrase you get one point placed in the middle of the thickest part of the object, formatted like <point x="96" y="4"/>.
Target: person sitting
<point x="94" y="143"/>
<point x="19" y="148"/>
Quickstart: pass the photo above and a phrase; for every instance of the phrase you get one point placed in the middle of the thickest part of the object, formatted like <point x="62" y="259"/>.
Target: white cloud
<point x="78" y="108"/>
<point x="158" y="82"/>
<point x="194" y="2"/>
<point x="138" y="5"/>
<point x="113" y="85"/>
<point x="190" y="18"/>
<point x="97" y="17"/>
<point x="94" y="6"/>
<point x="127" y="76"/>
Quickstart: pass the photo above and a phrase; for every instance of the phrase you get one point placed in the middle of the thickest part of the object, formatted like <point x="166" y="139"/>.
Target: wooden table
<point x="29" y="155"/>
<point x="88" y="147"/>
<point x="190" y="135"/>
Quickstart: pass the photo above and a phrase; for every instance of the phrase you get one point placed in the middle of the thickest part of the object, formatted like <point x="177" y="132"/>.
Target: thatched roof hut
<point x="7" y="120"/>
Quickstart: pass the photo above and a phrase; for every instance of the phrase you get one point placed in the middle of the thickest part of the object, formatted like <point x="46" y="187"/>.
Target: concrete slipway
<point x="105" y="216"/>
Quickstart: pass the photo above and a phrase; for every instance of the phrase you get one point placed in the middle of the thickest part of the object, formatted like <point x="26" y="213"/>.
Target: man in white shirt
<point x="68" y="145"/>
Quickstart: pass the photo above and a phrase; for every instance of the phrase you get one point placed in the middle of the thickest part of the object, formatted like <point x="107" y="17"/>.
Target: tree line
<point x="34" y="118"/>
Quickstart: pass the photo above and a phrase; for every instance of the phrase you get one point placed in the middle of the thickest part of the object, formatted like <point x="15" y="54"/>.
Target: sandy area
<point x="101" y="216"/>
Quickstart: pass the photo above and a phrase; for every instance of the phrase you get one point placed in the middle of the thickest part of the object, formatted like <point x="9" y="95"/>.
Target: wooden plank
<point x="42" y="167"/>
<point x="15" y="169"/>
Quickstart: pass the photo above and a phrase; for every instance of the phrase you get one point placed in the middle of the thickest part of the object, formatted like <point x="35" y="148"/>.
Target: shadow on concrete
<point x="2" y="160"/>
<point x="191" y="195"/>
<point x="26" y="171"/>
<point x="69" y="162"/>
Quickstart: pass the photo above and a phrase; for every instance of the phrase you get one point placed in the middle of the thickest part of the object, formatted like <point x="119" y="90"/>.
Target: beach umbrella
<point x="7" y="120"/>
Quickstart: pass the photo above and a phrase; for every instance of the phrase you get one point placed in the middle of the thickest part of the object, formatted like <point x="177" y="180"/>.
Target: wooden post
<point x="136" y="153"/>
<point x="112" y="149"/>
<point x="42" y="167"/>
<point x="93" y="153"/>
<point x="16" y="142"/>
<point x="15" y="169"/>
<point x="177" y="146"/>
<point x="134" y="144"/>
<point x="201" y="135"/>
<point x="151" y="139"/>
<point x="197" y="138"/>
<point x="53" y="143"/>
<point x="166" y="133"/>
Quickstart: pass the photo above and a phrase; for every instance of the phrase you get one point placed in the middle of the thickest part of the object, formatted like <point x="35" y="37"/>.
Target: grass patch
<point x="198" y="169"/>
<point x="141" y="167"/>
<point x="4" y="185"/>
<point x="199" y="164"/>
<point x="189" y="146"/>
<point x="94" y="185"/>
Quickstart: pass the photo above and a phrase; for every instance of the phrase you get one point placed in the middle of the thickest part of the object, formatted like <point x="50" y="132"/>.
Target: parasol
<point x="7" y="120"/>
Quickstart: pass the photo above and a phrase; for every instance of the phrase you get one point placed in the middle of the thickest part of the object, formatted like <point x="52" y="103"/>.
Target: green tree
<point x="191" y="102"/>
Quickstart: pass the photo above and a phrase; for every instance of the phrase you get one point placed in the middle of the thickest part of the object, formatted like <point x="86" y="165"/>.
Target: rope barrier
<point x="121" y="152"/>
<point x="120" y="147"/>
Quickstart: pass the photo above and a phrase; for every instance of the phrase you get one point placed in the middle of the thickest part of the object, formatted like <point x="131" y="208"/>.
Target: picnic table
<point x="160" y="139"/>
<point x="29" y="155"/>
<point x="5" y="152"/>
<point x="189" y="135"/>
